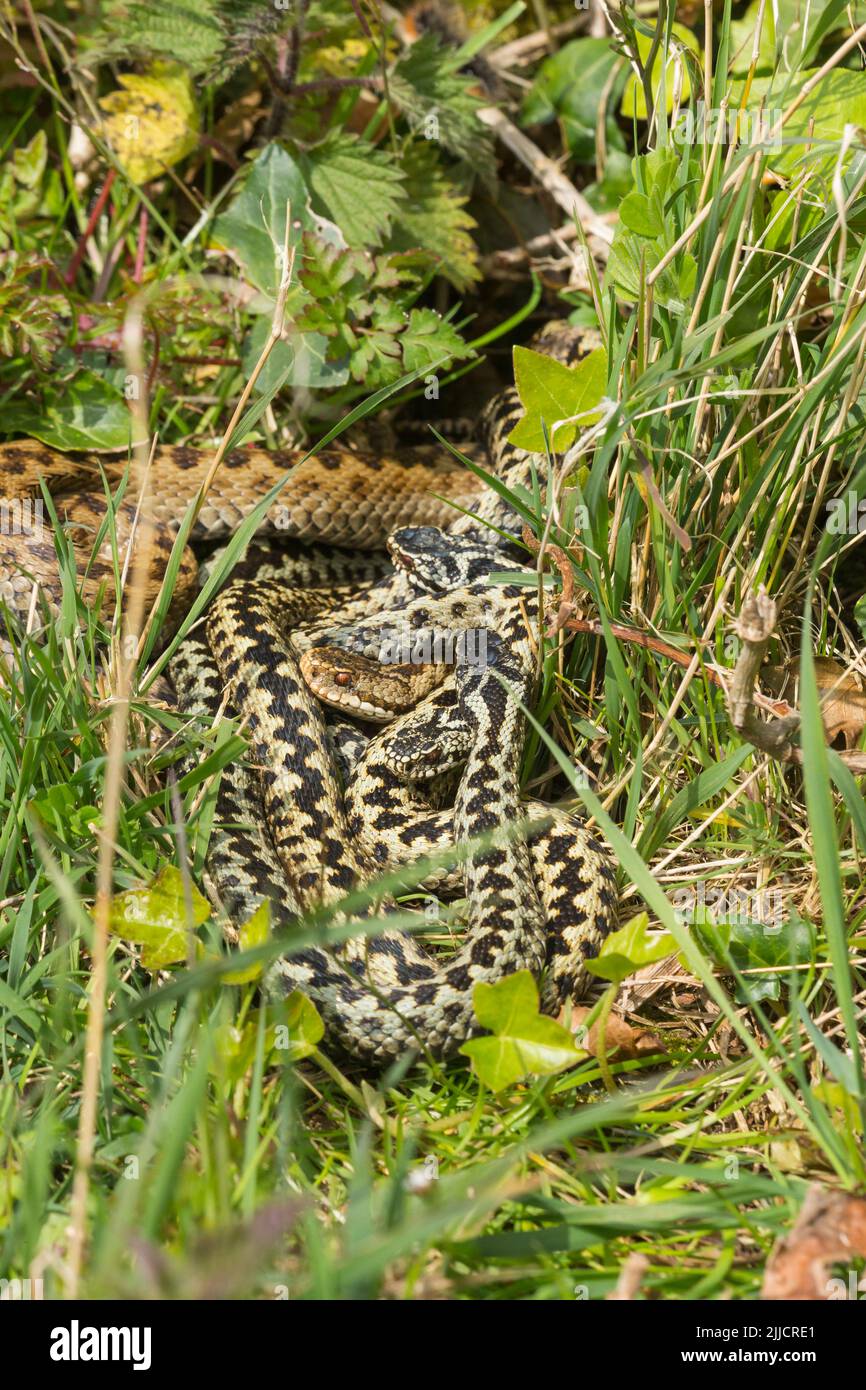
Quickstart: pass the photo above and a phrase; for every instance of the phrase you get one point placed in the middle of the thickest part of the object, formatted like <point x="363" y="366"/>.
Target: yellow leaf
<point x="153" y="122"/>
<point x="254" y="932"/>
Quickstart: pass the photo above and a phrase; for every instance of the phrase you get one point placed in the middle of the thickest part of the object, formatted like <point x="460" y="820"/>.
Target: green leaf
<point x="437" y="101"/>
<point x="640" y="214"/>
<point x="789" y="25"/>
<point x="60" y="806"/>
<point x="89" y="414"/>
<point x="298" y="1030"/>
<point x="355" y="184"/>
<point x="186" y="30"/>
<point x="299" y="359"/>
<point x="253" y="227"/>
<point x="633" y="99"/>
<point x="756" y="946"/>
<point x="429" y="341"/>
<point x="434" y="217"/>
<point x="646" y="230"/>
<point x="552" y="392"/>
<point x="295" y="1033"/>
<point x="818" y="123"/>
<point x="524" y="1041"/>
<point x="254" y="932"/>
<point x="630" y="948"/>
<point x="28" y="161"/>
<point x="570" y="85"/>
<point x="155" y="917"/>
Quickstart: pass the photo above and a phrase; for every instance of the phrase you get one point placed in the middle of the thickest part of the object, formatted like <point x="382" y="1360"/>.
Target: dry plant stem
<point x="545" y="172"/>
<point x="755" y="627"/>
<point x="563" y="564"/>
<point x="114" y="778"/>
<point x="631" y="1275"/>
<point x="277" y="325"/>
<point x="807" y="88"/>
<point x="565" y="620"/>
<point x="745" y="222"/>
<point x="532" y="46"/>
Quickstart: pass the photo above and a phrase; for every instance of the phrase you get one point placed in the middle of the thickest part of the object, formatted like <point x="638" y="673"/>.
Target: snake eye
<point x="342" y="678"/>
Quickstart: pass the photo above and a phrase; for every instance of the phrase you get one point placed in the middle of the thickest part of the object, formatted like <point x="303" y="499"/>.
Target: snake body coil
<point x="324" y="807"/>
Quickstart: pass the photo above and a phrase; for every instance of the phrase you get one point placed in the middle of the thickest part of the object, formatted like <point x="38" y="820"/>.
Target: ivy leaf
<point x="155" y="917"/>
<point x="630" y="948"/>
<point x="90" y="414"/>
<point x="551" y="392"/>
<point x="253" y="227"/>
<point x="437" y="100"/>
<point x="434" y="217"/>
<point x="152" y="122"/>
<point x="523" y="1040"/>
<point x="429" y="341"/>
<point x="358" y="186"/>
<point x="254" y="932"/>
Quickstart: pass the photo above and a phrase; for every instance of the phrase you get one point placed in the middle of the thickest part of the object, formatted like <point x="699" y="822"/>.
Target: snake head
<point x="440" y="562"/>
<point x="364" y="688"/>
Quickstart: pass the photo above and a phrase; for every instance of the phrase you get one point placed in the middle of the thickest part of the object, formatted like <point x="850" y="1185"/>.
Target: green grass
<point x="214" y="1176"/>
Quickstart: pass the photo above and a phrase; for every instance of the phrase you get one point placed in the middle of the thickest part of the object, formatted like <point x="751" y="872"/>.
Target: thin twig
<point x="133" y="334"/>
<point x="755" y="627"/>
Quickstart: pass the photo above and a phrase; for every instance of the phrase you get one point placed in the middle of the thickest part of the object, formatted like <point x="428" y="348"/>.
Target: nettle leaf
<point x="551" y="392"/>
<point x="633" y="99"/>
<point x="753" y="945"/>
<point x="434" y="217"/>
<point x="630" y="948"/>
<point x="253" y="227"/>
<point x="428" y="340"/>
<point x="437" y="100"/>
<point x="524" y="1041"/>
<point x="89" y="414"/>
<point x="155" y="917"/>
<point x="153" y="121"/>
<point x="355" y="184"/>
<point x="187" y="31"/>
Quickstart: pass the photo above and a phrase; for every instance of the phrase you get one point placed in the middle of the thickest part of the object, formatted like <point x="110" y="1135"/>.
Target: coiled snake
<point x="322" y="807"/>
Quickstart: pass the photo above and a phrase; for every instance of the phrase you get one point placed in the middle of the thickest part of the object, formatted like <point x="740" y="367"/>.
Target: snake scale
<point x="323" y="805"/>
